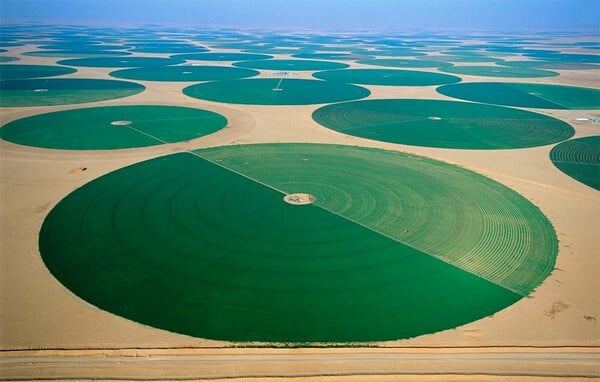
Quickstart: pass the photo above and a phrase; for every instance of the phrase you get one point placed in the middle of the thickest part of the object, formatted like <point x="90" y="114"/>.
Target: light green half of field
<point x="498" y="71"/>
<point x="112" y="127"/>
<point x="184" y="73"/>
<point x="203" y="243"/>
<point x="446" y="124"/>
<point x="580" y="159"/>
<point x="63" y="91"/>
<point x="387" y="77"/>
<point x="19" y="72"/>
<point x="525" y="95"/>
<point x="276" y="91"/>
<point x="461" y="217"/>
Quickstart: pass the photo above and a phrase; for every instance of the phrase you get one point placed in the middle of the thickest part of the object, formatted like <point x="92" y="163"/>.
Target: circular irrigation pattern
<point x="112" y="127"/>
<point x="184" y="73"/>
<point x="21" y="72"/>
<point x="446" y="124"/>
<point x="551" y="65"/>
<point x="204" y="244"/>
<point x="404" y="63"/>
<point x="388" y="77"/>
<point x="275" y="91"/>
<point x="498" y="71"/>
<point x="63" y="91"/>
<point x="290" y="65"/>
<point x="213" y="56"/>
<point x="75" y="53"/>
<point x="120" y="62"/>
<point x="580" y="159"/>
<point x="332" y="56"/>
<point x="525" y="95"/>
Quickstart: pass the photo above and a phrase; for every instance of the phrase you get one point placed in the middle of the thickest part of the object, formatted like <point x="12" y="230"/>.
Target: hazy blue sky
<point x="335" y="14"/>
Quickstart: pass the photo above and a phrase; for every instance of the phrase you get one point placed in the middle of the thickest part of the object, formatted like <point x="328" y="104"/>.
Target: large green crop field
<point x="394" y="246"/>
<point x="444" y="124"/>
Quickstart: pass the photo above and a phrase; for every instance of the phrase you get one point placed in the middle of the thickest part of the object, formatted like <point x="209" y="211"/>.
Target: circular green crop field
<point x="167" y="47"/>
<point x="580" y="159"/>
<point x="120" y="62"/>
<point x="540" y="96"/>
<point x="21" y="72"/>
<point x="446" y="124"/>
<point x="291" y="65"/>
<point x="332" y="56"/>
<point x="389" y="77"/>
<point x="204" y="244"/>
<point x="214" y="56"/>
<point x="551" y="65"/>
<point x="184" y="73"/>
<point x="76" y="53"/>
<point x="404" y="63"/>
<point x="275" y="91"/>
<point x="63" y="91"/>
<point x="498" y="71"/>
<point x="112" y="127"/>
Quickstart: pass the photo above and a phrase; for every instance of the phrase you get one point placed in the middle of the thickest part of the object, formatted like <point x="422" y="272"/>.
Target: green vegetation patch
<point x="8" y="58"/>
<point x="112" y="127"/>
<point x="120" y="62"/>
<point x="184" y="73"/>
<point x="205" y="245"/>
<point x="459" y="216"/>
<point x="332" y="56"/>
<point x="580" y="159"/>
<point x="404" y="63"/>
<point x="525" y="95"/>
<point x="167" y="47"/>
<point x="20" y="72"/>
<point x="63" y="91"/>
<point x="389" y="77"/>
<point x="214" y="56"/>
<point x="76" y="53"/>
<point x="275" y="91"/>
<point x="291" y="65"/>
<point x="446" y="124"/>
<point x="499" y="71"/>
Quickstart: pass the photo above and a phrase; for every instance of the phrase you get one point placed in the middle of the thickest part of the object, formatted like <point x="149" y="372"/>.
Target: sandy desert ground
<point x="48" y="332"/>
